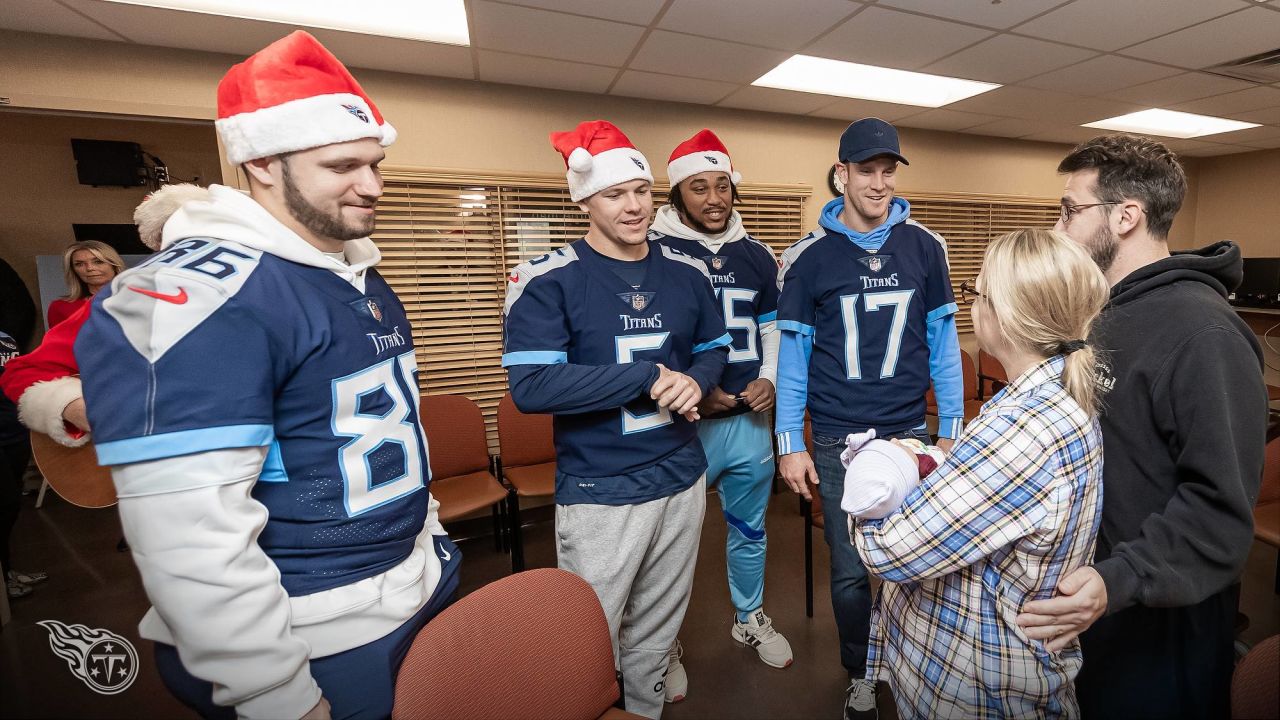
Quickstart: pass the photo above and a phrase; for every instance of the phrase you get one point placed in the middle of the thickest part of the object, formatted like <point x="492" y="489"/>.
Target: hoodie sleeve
<point x="796" y="318"/>
<point x="945" y="367"/>
<point x="1211" y="402"/>
<point x="45" y="381"/>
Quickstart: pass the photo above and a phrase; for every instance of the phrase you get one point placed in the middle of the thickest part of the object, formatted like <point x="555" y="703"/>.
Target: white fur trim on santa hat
<point x="41" y="405"/>
<point x="689" y="165"/>
<point x="155" y="209"/>
<point x="607" y="169"/>
<point x="300" y="125"/>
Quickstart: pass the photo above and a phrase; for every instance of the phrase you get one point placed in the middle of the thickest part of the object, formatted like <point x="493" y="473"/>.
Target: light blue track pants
<point x="740" y="466"/>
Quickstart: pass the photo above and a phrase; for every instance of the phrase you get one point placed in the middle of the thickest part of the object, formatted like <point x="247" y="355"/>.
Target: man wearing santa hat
<point x="620" y="338"/>
<point x="735" y="431"/>
<point x="253" y="388"/>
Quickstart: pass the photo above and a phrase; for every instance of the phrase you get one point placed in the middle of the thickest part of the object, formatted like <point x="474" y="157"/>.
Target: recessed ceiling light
<point x="1170" y="123"/>
<point x="438" y="21"/>
<point x="806" y="73"/>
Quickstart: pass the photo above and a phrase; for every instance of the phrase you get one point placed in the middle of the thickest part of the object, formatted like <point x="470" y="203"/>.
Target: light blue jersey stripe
<point x="184" y="442"/>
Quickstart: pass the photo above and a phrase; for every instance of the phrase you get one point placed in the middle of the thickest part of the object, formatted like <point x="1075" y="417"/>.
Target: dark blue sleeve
<point x="565" y="389"/>
<point x="711" y="340"/>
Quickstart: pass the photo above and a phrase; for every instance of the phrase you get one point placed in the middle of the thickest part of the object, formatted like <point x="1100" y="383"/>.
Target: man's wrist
<point x="1121" y="582"/>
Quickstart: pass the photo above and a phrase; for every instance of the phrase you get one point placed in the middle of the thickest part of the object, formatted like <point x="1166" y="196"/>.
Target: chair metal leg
<point x="44" y="487"/>
<point x="806" y="510"/>
<point x="517" y="534"/>
<point x="1278" y="571"/>
<point x="496" y="512"/>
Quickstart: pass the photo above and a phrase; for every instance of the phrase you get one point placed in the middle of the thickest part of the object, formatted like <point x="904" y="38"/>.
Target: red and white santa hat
<point x="701" y="153"/>
<point x="598" y="156"/>
<point x="293" y="95"/>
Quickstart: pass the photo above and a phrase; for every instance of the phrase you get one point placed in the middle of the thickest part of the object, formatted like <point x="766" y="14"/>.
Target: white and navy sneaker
<point x="860" y="701"/>
<point x="758" y="632"/>
<point x="676" y="679"/>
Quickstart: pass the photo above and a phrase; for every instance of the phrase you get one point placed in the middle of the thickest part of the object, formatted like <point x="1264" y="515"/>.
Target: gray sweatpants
<point x="639" y="559"/>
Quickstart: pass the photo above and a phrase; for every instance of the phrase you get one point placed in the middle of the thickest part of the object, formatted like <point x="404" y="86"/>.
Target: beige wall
<point x="40" y="197"/>
<point x="1240" y="200"/>
<point x="479" y="126"/>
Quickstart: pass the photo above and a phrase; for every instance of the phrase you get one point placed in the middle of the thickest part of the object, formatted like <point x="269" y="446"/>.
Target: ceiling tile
<point x="848" y="109"/>
<point x="1253" y="30"/>
<point x="1070" y="135"/>
<point x="1245" y="137"/>
<point x="1265" y="144"/>
<point x="690" y="56"/>
<point x="773" y="100"/>
<point x="1097" y="24"/>
<point x="1099" y="75"/>
<point x="875" y="37"/>
<point x="406" y="56"/>
<point x="190" y="31"/>
<point x="1035" y="104"/>
<point x="1177" y="89"/>
<point x="634" y="83"/>
<point x="638" y="12"/>
<point x="1232" y="104"/>
<point x="50" y="18"/>
<point x="1270" y="116"/>
<point x="768" y="23"/>
<point x="939" y="119"/>
<point x="995" y="15"/>
<point x="540" y="72"/>
<point x="549" y="34"/>
<point x="1008" y="58"/>
<point x="1011" y="128"/>
<point x="1212" y="149"/>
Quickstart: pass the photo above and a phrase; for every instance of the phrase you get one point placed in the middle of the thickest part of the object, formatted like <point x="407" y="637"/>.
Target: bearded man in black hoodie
<point x="1183" y="429"/>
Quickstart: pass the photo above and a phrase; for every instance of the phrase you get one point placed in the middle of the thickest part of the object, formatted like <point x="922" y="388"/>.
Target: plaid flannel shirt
<point x="1015" y="507"/>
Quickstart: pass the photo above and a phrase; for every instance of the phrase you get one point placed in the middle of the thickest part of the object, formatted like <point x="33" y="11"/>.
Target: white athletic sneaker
<point x="758" y="632"/>
<point x="676" y="679"/>
<point x="860" y="700"/>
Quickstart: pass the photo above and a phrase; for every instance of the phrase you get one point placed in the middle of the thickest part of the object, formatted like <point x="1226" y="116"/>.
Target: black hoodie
<point x="1183" y="427"/>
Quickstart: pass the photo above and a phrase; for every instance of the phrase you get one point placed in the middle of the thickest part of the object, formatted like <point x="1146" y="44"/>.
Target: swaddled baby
<point x="878" y="476"/>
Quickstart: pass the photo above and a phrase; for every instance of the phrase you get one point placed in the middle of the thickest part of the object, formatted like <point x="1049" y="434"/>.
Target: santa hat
<point x="701" y="153"/>
<point x="293" y="95"/>
<point x="598" y="156"/>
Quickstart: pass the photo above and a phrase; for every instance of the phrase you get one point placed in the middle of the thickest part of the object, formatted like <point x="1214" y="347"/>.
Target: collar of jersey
<point x="899" y="211"/>
<point x="602" y="272"/>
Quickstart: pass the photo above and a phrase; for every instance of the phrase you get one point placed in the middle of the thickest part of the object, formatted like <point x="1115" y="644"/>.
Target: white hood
<point x="667" y="222"/>
<point x="228" y="214"/>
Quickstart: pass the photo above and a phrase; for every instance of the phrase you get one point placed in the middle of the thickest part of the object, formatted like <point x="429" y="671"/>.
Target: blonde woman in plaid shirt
<point x="1013" y="508"/>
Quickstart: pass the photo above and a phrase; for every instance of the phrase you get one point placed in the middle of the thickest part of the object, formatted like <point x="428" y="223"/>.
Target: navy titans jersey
<point x="569" y="307"/>
<point x="868" y="314"/>
<point x="211" y="345"/>
<point x="745" y="277"/>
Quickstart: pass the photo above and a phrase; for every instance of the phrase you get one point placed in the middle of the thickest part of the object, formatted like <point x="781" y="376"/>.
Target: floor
<point x="94" y="585"/>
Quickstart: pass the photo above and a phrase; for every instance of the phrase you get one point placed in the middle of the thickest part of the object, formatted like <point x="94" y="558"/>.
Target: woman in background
<point x="1013" y="508"/>
<point x="88" y="266"/>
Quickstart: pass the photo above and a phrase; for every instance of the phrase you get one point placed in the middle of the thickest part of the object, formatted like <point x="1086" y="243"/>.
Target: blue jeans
<point x="850" y="587"/>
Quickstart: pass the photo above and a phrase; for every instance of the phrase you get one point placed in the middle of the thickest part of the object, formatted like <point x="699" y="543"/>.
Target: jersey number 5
<point x="627" y="346"/>
<point x="371" y="431"/>
<point x="730" y="297"/>
<point x="899" y="300"/>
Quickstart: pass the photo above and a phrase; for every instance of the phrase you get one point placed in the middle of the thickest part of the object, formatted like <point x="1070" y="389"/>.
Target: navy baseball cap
<point x="867" y="138"/>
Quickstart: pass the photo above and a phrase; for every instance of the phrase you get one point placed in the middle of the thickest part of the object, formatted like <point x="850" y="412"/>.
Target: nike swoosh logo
<point x="178" y="299"/>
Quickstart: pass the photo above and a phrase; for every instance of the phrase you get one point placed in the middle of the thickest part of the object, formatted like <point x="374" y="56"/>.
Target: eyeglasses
<point x="1066" y="212"/>
<point x="969" y="294"/>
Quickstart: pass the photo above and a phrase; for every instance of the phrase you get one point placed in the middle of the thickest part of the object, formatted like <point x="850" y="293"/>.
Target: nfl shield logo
<point x="875" y="264"/>
<point x="717" y="262"/>
<point x="374" y="310"/>
<point x="639" y="301"/>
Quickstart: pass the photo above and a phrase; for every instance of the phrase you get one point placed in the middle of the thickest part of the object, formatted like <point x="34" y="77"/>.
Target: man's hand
<point x="1081" y="599"/>
<point x="74" y="413"/>
<point x="716" y="401"/>
<point x="319" y="712"/>
<point x="945" y="444"/>
<point x="798" y="472"/>
<point x="676" y="392"/>
<point x="759" y="395"/>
